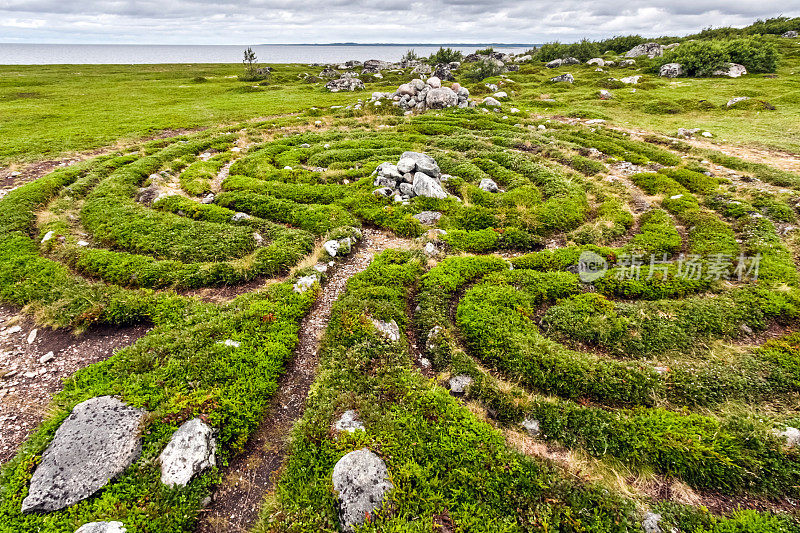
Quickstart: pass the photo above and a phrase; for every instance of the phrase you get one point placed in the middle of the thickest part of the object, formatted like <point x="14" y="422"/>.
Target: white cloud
<point x="318" y="21"/>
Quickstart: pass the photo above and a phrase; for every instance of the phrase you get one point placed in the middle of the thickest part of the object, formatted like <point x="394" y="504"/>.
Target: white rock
<point x="83" y="243"/>
<point x="631" y="80"/>
<point x="349" y="422"/>
<point x="491" y="102"/>
<point x="488" y="185"/>
<point x="388" y="330"/>
<point x="232" y="343"/>
<point x="47" y="236"/>
<point x="790" y="435"/>
<point x="331" y="247"/>
<point x="531" y="425"/>
<point x="501" y="94"/>
<point x="189" y="452"/>
<point x="434" y="82"/>
<point x="32" y="336"/>
<point x="102" y="527"/>
<point x="361" y="480"/>
<point x="458" y="384"/>
<point x="46" y="358"/>
<point x="304" y="283"/>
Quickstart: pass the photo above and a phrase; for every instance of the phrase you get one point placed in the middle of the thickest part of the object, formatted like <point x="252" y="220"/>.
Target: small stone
<point x="790" y="435"/>
<point x="331" y="247"/>
<point x="232" y="343"/>
<point x="47" y="236"/>
<point x="458" y="384"/>
<point x="531" y="425"/>
<point x="32" y="336"/>
<point x="349" y="422"/>
<point x="304" y="283"/>
<point x="102" y="527"/>
<point x="388" y="330"/>
<point x="650" y="523"/>
<point x="46" y="358"/>
<point x="428" y="218"/>
<point x="488" y="185"/>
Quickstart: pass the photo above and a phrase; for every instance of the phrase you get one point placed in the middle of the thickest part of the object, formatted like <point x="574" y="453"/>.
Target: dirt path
<point x="32" y="372"/>
<point x="251" y="475"/>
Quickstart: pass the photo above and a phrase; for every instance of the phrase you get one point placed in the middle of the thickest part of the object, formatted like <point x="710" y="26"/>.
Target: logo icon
<point x="591" y="266"/>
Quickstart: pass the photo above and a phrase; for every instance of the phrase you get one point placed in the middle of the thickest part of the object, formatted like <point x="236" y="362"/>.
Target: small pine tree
<point x="250" y="62"/>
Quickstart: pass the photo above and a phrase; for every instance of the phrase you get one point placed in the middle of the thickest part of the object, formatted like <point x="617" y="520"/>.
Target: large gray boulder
<point x="555" y="63"/>
<point x="94" y="444"/>
<point x="362" y="481"/>
<point x="190" y="451"/>
<point x="102" y="527"/>
<point x="441" y="98"/>
<point x="650" y="50"/>
<point x="731" y="70"/>
<point x="671" y="70"/>
<point x="345" y="84"/>
<point x="424" y="163"/>
<point x="427" y="186"/>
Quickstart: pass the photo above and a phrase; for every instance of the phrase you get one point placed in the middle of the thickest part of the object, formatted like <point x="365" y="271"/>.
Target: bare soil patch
<point x="28" y="380"/>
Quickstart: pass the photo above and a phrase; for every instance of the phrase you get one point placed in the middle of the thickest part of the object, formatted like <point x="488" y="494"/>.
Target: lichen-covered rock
<point x="671" y="70"/>
<point x="362" y="481"/>
<point x="345" y="84"/>
<point x="631" y="80"/>
<point x="427" y="186"/>
<point x="94" y="444"/>
<point x="331" y="247"/>
<point x="531" y="425"/>
<point x="349" y="422"/>
<point x="191" y="450"/>
<point x="458" y="384"/>
<point x="650" y="524"/>
<point x="596" y="61"/>
<point x="491" y="102"/>
<point x="428" y="218"/>
<point x="424" y="163"/>
<point x="388" y="330"/>
<point x="441" y="98"/>
<point x="102" y="527"/>
<point x="488" y="185"/>
<point x="566" y="78"/>
<point x="731" y="70"/>
<point x="650" y="50"/>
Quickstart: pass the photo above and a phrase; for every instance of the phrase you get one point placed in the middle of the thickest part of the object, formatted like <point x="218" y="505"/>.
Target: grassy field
<point x="49" y="111"/>
<point x="588" y="404"/>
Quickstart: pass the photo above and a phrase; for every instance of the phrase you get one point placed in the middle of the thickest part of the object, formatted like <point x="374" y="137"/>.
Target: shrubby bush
<point x="702" y="58"/>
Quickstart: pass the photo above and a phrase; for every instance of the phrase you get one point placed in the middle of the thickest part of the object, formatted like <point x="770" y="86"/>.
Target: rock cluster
<point x="345" y="84"/>
<point x="791" y="34"/>
<point x="362" y="481"/>
<point x="414" y="175"/>
<point x="418" y="95"/>
<point x="94" y="444"/>
<point x="650" y="50"/>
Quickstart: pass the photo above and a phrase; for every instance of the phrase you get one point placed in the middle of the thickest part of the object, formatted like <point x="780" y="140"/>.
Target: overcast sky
<point x="366" y="21"/>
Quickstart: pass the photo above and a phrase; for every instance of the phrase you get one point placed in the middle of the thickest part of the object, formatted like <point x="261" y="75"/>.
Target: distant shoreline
<point x="157" y="54"/>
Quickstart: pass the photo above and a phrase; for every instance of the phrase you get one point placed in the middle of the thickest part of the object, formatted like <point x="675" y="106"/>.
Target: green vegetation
<point x="671" y="363"/>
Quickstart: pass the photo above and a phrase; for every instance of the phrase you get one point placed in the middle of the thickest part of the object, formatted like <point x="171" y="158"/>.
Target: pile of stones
<point x="418" y="95"/>
<point x="415" y="174"/>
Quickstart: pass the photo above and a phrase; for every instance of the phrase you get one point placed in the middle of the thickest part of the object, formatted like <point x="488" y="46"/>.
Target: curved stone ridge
<point x="190" y="451"/>
<point x="362" y="481"/>
<point x="95" y="443"/>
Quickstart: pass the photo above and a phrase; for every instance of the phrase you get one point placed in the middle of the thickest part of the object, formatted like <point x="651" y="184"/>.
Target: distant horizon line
<point x="506" y="45"/>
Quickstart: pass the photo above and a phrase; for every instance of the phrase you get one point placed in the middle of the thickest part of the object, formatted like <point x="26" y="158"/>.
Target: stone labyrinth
<point x="671" y="359"/>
